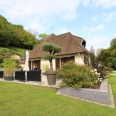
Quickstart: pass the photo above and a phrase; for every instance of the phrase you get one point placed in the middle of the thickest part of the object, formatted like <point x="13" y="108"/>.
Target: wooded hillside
<point x="15" y="35"/>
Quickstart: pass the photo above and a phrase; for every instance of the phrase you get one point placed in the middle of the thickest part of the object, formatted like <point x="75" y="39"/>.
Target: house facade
<point x="73" y="49"/>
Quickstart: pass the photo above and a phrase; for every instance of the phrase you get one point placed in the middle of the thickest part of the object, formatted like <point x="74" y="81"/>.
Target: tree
<point x="51" y="50"/>
<point x="15" y="35"/>
<point x="113" y="42"/>
<point x="43" y="36"/>
<point x="98" y="51"/>
<point x="92" y="55"/>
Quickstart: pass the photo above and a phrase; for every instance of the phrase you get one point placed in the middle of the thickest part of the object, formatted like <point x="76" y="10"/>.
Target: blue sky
<point x="93" y="20"/>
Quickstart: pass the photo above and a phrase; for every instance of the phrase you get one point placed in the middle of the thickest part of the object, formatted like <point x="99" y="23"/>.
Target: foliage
<point x="78" y="76"/>
<point x="43" y="36"/>
<point x="103" y="70"/>
<point x="6" y="52"/>
<point x="107" y="56"/>
<point x="92" y="56"/>
<point x="51" y="50"/>
<point x="113" y="43"/>
<point x="109" y="64"/>
<point x="45" y="67"/>
<point x="114" y="63"/>
<point x="15" y="35"/>
<point x="9" y="66"/>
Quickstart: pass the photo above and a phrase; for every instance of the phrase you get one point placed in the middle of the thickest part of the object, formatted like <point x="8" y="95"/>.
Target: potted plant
<point x="9" y="67"/>
<point x="51" y="51"/>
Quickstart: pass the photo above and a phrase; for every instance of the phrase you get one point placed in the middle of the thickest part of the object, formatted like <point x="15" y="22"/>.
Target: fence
<point x="1" y="74"/>
<point x="20" y="75"/>
<point x="34" y="75"/>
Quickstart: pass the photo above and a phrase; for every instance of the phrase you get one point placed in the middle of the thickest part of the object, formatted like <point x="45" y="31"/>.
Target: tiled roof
<point x="70" y="45"/>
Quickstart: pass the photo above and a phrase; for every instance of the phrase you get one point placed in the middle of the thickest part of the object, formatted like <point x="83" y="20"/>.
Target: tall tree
<point x="92" y="55"/>
<point x="43" y="36"/>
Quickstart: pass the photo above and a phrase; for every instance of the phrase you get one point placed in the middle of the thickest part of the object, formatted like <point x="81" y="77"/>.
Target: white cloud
<point x="36" y="13"/>
<point x="85" y="3"/>
<point x="98" y="42"/>
<point x="65" y="30"/>
<point x="27" y="8"/>
<point x="104" y="3"/>
<point x="97" y="28"/>
<point x="110" y="16"/>
<point x="115" y="34"/>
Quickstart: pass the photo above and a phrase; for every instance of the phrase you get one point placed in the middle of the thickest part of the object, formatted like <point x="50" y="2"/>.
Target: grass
<point x="112" y="81"/>
<point x="29" y="100"/>
<point x="114" y="72"/>
<point x="6" y="52"/>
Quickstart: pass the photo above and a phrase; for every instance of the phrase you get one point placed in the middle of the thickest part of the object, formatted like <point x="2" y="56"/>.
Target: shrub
<point x="45" y="67"/>
<point x="9" y="66"/>
<point x="104" y="71"/>
<point x="75" y="75"/>
<point x="1" y="60"/>
<point x="110" y="64"/>
<point x="114" y="63"/>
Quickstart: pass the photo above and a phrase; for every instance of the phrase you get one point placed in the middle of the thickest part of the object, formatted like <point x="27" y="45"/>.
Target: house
<point x="73" y="48"/>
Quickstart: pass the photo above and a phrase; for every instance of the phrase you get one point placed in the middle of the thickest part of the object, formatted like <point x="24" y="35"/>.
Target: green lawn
<point x="30" y="100"/>
<point x="112" y="81"/>
<point x="114" y="72"/>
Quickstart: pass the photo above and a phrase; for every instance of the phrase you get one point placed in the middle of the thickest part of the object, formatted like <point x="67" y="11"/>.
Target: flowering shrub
<point x="78" y="76"/>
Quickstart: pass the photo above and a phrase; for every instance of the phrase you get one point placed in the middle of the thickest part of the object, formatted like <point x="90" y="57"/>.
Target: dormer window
<point x="83" y="43"/>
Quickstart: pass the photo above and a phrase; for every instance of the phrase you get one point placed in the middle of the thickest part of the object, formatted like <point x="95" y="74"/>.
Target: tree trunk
<point x="51" y="67"/>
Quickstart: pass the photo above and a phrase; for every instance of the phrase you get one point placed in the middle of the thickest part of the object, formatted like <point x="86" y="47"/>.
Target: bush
<point x="110" y="64"/>
<point x="114" y="63"/>
<point x="75" y="75"/>
<point x="9" y="66"/>
<point x="1" y="60"/>
<point x="104" y="71"/>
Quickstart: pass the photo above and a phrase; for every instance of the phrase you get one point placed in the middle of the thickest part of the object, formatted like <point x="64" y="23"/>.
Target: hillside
<point x="15" y="35"/>
<point x="6" y="52"/>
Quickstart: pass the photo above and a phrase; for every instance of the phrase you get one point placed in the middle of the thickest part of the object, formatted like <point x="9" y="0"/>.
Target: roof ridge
<point x="64" y="33"/>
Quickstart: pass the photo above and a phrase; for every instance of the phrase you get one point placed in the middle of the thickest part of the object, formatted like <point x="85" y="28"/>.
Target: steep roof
<point x="70" y="45"/>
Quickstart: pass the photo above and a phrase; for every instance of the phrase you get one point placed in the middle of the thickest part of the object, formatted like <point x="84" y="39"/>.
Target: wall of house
<point x="79" y="58"/>
<point x="45" y="63"/>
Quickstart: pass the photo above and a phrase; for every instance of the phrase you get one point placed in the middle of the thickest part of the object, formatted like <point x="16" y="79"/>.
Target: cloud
<point x="115" y="35"/>
<point x="36" y="13"/>
<point x="85" y="3"/>
<point x="65" y="30"/>
<point x="27" y="8"/>
<point x="110" y="16"/>
<point x="104" y="3"/>
<point x="97" y="28"/>
<point x="98" y="42"/>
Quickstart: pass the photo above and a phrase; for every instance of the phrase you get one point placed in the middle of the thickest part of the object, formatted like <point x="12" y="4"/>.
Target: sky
<point x="93" y="20"/>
